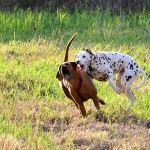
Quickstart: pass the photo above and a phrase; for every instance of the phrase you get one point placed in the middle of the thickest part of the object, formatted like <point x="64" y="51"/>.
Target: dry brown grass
<point x="10" y="143"/>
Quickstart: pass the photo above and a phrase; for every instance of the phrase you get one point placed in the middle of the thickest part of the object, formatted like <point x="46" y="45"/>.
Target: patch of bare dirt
<point x="96" y="133"/>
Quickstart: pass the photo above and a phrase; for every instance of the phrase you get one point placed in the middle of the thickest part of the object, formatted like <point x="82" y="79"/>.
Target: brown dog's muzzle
<point x="65" y="72"/>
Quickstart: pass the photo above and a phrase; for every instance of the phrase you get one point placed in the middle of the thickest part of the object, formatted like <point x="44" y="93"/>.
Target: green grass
<point x="34" y="113"/>
<point x="92" y="26"/>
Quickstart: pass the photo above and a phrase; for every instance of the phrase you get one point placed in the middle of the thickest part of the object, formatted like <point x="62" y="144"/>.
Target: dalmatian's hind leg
<point x="125" y="89"/>
<point x="128" y="90"/>
<point x="111" y="82"/>
<point x="118" y="82"/>
<point x="130" y="95"/>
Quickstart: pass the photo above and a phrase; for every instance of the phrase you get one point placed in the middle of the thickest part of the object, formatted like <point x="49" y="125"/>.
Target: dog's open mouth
<point x="66" y="73"/>
<point x="82" y="67"/>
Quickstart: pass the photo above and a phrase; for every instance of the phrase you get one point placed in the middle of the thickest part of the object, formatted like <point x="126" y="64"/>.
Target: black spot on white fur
<point x="128" y="78"/>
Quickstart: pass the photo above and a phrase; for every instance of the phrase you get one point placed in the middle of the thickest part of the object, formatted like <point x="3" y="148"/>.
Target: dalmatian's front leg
<point x="111" y="81"/>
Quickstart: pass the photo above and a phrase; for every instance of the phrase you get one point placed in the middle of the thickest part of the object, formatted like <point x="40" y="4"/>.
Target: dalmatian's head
<point x="83" y="58"/>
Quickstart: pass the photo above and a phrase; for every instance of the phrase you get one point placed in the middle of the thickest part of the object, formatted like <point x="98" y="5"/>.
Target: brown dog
<point x="77" y="85"/>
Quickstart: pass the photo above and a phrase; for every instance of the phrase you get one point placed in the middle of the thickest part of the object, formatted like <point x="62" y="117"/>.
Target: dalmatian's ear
<point x="88" y="50"/>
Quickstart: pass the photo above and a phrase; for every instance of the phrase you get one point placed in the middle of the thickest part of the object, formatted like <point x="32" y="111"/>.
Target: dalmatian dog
<point x="103" y="65"/>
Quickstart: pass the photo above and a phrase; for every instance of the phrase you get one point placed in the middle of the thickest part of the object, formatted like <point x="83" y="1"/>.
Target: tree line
<point x="115" y="6"/>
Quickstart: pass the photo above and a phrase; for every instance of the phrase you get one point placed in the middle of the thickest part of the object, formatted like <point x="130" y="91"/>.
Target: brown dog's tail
<point x="67" y="47"/>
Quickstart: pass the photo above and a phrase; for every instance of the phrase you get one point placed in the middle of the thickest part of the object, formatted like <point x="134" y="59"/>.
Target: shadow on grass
<point x="121" y="117"/>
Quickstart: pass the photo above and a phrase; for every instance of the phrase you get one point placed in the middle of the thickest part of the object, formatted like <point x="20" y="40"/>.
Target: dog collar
<point x="80" y="78"/>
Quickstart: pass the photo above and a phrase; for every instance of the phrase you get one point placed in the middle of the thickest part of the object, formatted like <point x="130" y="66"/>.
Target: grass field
<point x="35" y="114"/>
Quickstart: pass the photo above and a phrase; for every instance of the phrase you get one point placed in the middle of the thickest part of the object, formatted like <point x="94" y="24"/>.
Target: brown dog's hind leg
<point x="101" y="101"/>
<point x="96" y="103"/>
<point x="98" y="100"/>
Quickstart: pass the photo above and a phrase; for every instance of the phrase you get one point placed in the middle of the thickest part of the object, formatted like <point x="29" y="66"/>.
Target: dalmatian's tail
<point x="144" y="78"/>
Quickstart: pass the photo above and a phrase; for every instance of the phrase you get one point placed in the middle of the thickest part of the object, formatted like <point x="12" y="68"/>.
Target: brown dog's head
<point x="65" y="70"/>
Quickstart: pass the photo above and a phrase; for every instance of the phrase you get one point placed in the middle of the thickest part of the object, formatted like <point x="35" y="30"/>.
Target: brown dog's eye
<point x="84" y="56"/>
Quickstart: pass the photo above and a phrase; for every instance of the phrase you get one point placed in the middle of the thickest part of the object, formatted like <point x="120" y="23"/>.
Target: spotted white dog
<point x="103" y="65"/>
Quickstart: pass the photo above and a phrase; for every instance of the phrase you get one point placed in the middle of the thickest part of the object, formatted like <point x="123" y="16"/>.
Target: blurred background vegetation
<point x="115" y="6"/>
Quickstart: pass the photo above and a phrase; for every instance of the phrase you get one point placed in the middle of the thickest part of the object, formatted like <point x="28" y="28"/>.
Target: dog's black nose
<point x="78" y="62"/>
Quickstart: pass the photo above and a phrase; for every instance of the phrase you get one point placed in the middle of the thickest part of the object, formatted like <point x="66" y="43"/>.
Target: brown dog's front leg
<point x="66" y="91"/>
<point x="82" y="109"/>
<point x="79" y="102"/>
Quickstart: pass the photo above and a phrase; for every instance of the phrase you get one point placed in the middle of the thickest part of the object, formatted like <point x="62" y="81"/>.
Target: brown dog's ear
<point x="74" y="64"/>
<point x="59" y="75"/>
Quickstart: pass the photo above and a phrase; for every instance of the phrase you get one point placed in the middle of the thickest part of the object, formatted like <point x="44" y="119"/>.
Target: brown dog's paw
<point x="102" y="102"/>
